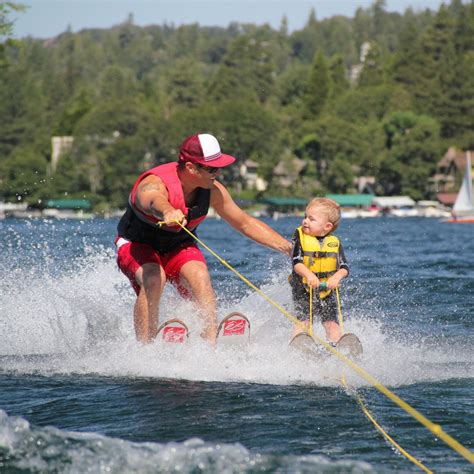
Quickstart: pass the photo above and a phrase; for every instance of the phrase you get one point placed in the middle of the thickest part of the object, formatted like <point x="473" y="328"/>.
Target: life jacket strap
<point x="319" y="254"/>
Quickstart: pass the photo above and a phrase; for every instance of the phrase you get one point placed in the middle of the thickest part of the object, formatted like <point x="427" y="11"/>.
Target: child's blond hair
<point x="330" y="208"/>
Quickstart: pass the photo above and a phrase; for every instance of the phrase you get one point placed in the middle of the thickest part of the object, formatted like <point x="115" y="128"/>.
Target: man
<point x="149" y="254"/>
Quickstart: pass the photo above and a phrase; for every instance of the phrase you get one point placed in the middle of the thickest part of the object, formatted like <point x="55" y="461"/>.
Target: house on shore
<point x="446" y="182"/>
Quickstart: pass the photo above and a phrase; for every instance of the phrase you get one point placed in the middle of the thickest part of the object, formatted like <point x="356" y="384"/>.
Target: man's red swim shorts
<point x="133" y="255"/>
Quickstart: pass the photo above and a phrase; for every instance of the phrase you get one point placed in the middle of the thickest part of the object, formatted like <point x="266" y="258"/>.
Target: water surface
<point x="78" y="394"/>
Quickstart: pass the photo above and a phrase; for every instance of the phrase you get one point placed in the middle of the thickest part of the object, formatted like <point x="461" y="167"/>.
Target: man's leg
<point x="142" y="266"/>
<point x="151" y="278"/>
<point x="197" y="277"/>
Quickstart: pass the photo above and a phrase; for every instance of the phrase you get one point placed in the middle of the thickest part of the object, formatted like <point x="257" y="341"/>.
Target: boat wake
<point x="33" y="449"/>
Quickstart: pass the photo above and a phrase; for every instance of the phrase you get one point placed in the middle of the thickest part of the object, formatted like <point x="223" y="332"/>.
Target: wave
<point x="35" y="449"/>
<point x="80" y="322"/>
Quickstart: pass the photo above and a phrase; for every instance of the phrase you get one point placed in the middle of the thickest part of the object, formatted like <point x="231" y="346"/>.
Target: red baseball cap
<point x="205" y="150"/>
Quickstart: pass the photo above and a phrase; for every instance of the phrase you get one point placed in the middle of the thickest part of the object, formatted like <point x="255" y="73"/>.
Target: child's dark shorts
<point x="325" y="310"/>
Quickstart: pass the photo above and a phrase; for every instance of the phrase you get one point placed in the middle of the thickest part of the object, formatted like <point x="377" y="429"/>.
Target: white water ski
<point x="349" y="345"/>
<point x="304" y="343"/>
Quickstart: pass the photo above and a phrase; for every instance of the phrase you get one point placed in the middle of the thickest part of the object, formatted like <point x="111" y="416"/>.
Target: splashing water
<point x="80" y="322"/>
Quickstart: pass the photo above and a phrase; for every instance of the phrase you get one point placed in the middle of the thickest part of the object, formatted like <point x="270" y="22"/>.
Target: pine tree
<point x="318" y="86"/>
<point x="246" y="70"/>
<point x="372" y="71"/>
<point x="338" y="76"/>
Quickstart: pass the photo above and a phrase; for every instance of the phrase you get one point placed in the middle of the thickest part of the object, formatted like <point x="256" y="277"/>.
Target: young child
<point x="318" y="257"/>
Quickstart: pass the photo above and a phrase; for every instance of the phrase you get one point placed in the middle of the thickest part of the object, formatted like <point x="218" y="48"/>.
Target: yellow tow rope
<point x="434" y="428"/>
<point x="366" y="411"/>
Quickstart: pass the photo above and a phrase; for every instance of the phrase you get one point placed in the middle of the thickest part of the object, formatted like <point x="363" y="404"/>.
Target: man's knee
<point x="194" y="269"/>
<point x="196" y="275"/>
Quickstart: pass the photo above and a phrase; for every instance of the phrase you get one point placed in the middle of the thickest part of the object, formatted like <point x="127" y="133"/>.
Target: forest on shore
<point x="130" y="94"/>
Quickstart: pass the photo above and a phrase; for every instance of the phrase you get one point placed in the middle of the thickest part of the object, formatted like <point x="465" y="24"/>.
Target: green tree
<point x="405" y="58"/>
<point x="73" y="176"/>
<point x="371" y="103"/>
<point x="246" y="71"/>
<point x="114" y="142"/>
<point x="341" y="138"/>
<point x="79" y="106"/>
<point x="333" y="149"/>
<point x="244" y="128"/>
<point x="434" y="54"/>
<point x="23" y="175"/>
<point x="21" y="108"/>
<point x="338" y="76"/>
<point x="184" y="84"/>
<point x="304" y="43"/>
<point x="455" y="103"/>
<point x="372" y="73"/>
<point x="318" y="86"/>
<point x="339" y="177"/>
<point x="284" y="26"/>
<point x="129" y="95"/>
<point x="6" y="26"/>
<point x="413" y="149"/>
<point x="292" y="85"/>
<point x="337" y="38"/>
<point x="117" y="82"/>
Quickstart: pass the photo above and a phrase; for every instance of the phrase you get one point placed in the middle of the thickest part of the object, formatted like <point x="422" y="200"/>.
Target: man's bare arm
<point x="152" y="198"/>
<point x="251" y="227"/>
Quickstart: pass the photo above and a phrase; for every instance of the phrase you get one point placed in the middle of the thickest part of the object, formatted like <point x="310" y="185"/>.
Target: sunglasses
<point x="209" y="169"/>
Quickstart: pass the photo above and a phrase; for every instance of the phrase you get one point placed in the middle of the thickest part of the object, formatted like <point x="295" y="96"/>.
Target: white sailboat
<point x="463" y="209"/>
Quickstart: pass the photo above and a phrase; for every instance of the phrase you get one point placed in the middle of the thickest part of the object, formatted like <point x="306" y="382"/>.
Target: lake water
<point x="78" y="394"/>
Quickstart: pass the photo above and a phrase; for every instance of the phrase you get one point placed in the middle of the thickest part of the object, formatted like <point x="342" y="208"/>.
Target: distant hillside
<point x="380" y="94"/>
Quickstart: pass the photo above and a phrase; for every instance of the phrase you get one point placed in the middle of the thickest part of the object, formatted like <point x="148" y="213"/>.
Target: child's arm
<point x="303" y="271"/>
<point x="343" y="272"/>
<point x="333" y="281"/>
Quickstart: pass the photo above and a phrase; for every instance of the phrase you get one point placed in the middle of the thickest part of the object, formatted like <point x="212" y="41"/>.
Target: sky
<point x="48" y="18"/>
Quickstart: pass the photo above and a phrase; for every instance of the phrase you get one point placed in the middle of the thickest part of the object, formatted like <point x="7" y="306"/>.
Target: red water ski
<point x="173" y="331"/>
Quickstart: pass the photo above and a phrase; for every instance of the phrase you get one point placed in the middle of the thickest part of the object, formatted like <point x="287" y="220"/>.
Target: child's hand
<point x="333" y="282"/>
<point x="313" y="281"/>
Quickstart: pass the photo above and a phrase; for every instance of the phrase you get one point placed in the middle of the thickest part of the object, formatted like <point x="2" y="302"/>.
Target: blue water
<point x="78" y="394"/>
